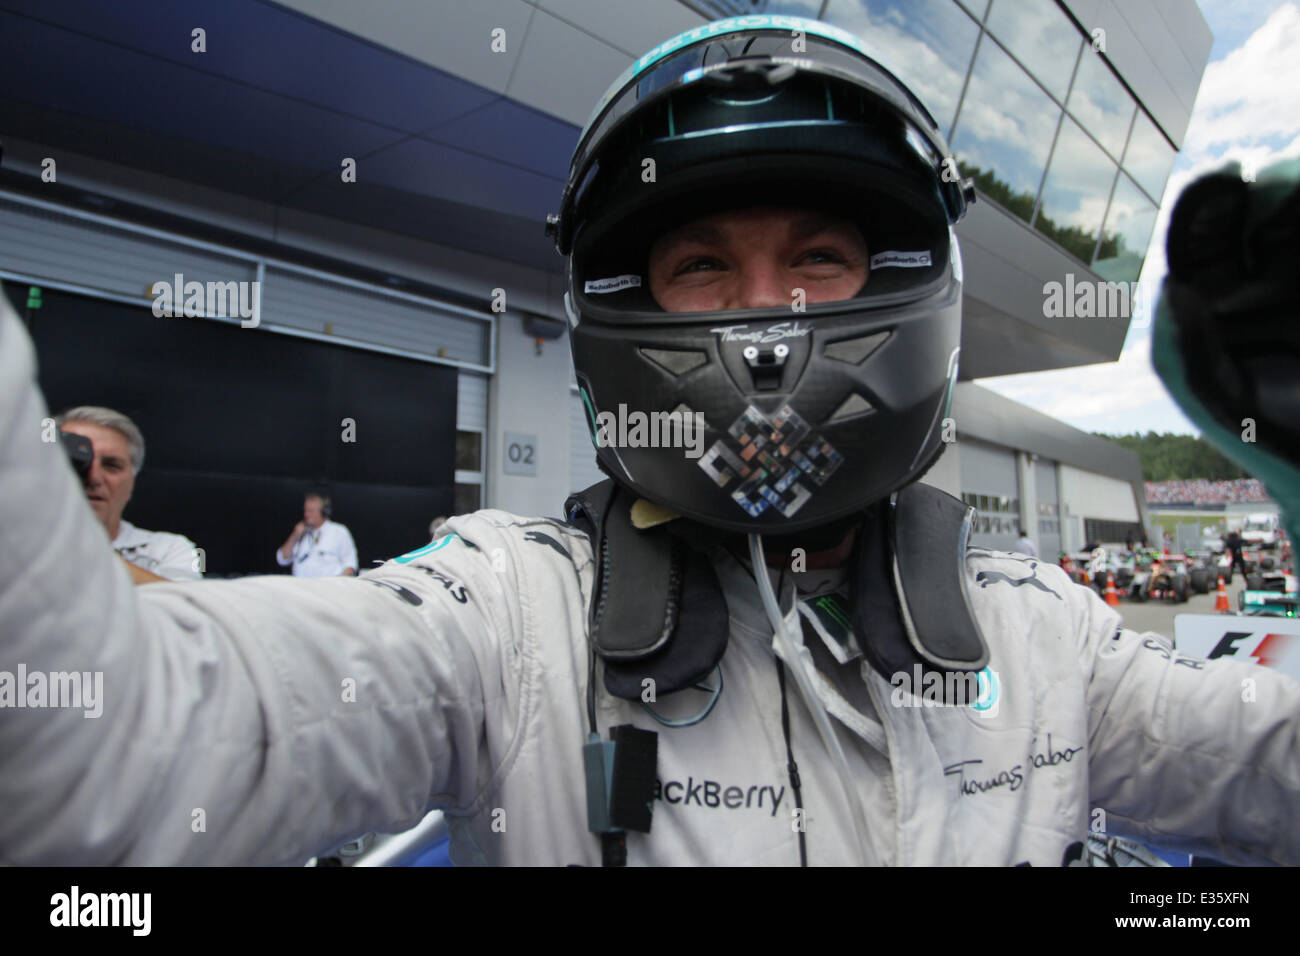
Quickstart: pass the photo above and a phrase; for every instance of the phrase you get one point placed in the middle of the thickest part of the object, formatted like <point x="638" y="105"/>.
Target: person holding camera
<point x="109" y="481"/>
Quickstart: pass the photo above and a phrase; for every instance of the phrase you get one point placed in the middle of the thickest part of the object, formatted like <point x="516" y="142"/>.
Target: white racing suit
<point x="266" y="720"/>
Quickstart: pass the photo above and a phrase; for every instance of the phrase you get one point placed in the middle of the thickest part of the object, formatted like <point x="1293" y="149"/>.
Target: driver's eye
<point x="698" y="264"/>
<point x="823" y="256"/>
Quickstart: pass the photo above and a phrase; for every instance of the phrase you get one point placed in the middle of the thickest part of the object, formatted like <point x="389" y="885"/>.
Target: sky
<point x="1247" y="109"/>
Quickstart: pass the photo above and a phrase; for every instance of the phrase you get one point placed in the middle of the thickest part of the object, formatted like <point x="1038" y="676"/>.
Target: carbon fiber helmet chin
<point x="809" y="412"/>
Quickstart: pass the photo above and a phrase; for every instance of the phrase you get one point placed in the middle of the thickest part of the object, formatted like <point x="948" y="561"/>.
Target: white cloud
<point x="1115" y="397"/>
<point x="1086" y="214"/>
<point x="1233" y="21"/>
<point x="1252" y="93"/>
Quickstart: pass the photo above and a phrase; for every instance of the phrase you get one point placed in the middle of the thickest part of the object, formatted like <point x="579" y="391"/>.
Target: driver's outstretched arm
<point x="254" y="721"/>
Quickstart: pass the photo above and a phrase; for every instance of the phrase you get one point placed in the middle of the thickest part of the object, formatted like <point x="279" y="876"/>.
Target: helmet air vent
<point x="855" y="351"/>
<point x="675" y="361"/>
<point x="851" y="407"/>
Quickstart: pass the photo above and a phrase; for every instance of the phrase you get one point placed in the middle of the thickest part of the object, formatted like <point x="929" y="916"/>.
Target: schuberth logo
<point x="904" y="260"/>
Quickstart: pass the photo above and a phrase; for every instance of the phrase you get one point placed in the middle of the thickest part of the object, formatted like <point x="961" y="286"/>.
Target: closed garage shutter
<point x="1098" y="497"/>
<point x="100" y="256"/>
<point x="1049" y="518"/>
<point x="92" y="256"/>
<point x="988" y="484"/>
<point x="472" y="401"/>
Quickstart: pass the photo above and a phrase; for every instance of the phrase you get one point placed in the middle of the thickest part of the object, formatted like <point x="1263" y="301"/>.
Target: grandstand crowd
<point x="1202" y="491"/>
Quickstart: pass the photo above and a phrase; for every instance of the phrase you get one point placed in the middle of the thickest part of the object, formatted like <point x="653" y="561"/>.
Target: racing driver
<point x="758" y="232"/>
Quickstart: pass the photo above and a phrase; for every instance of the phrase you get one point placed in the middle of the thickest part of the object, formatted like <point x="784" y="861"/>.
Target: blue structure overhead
<point x="271" y="109"/>
<point x="461" y="115"/>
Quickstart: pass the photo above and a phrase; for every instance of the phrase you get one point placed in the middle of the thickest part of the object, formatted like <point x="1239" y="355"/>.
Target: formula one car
<point x="1164" y="577"/>
<point x="1090" y="568"/>
<point x="1079" y="566"/>
<point x="1204" y="569"/>
<point x="1270" y="594"/>
<point x="1149" y="575"/>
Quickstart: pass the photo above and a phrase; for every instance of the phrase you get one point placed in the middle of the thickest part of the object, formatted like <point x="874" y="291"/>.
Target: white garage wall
<point x="1090" y="495"/>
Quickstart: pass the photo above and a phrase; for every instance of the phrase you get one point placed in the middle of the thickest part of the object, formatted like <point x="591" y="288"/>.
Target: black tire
<point x="1200" y="580"/>
<point x="1180" y="588"/>
<point x="1254" y="582"/>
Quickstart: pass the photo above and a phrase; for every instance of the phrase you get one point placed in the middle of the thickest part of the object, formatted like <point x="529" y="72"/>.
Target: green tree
<point x="1170" y="457"/>
<point x="1078" y="241"/>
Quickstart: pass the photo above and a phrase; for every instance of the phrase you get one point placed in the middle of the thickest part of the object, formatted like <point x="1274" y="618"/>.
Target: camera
<point x="81" y="452"/>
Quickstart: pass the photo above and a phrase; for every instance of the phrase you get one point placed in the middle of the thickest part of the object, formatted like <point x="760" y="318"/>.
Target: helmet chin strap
<point x="811" y="540"/>
<point x="823" y="538"/>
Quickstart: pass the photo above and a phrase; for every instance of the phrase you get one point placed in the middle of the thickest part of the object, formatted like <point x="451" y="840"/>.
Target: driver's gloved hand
<point x="1227" y="335"/>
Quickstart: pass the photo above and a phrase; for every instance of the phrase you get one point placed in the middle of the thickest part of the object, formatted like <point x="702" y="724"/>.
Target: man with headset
<point x="318" y="547"/>
<point x="792" y="279"/>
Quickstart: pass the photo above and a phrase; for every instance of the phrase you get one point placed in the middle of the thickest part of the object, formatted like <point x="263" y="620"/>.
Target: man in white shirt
<point x="1025" y="546"/>
<point x="110" y="482"/>
<point x="318" y="547"/>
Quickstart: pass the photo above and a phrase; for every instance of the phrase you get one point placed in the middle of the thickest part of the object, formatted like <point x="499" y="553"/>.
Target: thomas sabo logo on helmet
<point x="773" y="333"/>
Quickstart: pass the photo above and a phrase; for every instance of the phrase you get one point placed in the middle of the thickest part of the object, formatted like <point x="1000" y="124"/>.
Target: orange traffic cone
<point x="1112" y="596"/>
<point x="1221" y="599"/>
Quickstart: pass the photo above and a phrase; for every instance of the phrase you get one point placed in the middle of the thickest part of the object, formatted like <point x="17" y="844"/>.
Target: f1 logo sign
<point x="1227" y="645"/>
<point x="1266" y="653"/>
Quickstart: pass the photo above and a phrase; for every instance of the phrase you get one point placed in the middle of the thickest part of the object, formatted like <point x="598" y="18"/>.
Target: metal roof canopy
<point x="279" y="100"/>
<point x="271" y="110"/>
